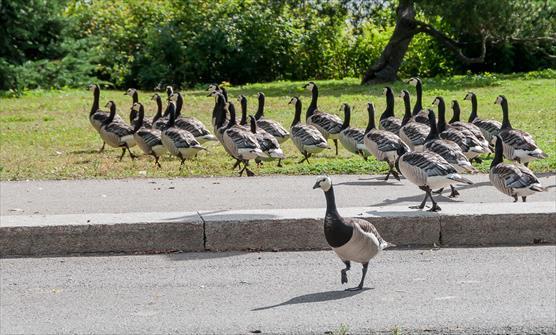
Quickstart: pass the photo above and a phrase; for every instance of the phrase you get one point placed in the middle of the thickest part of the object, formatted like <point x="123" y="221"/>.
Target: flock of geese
<point x="422" y="146"/>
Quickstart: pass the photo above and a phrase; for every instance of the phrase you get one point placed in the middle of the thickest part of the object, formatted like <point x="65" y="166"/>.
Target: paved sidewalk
<point x="229" y="193"/>
<point x="445" y="291"/>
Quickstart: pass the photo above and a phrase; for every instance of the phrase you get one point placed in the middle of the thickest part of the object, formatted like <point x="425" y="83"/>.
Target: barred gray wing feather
<point x="328" y="122"/>
<point x="151" y="137"/>
<point x="518" y="140"/>
<point x="192" y="125"/>
<point x="429" y="162"/>
<point x="266" y="141"/>
<point x="308" y="135"/>
<point x="415" y="133"/>
<point x="273" y="128"/>
<point x="366" y="226"/>
<point x="391" y="124"/>
<point x="181" y="138"/>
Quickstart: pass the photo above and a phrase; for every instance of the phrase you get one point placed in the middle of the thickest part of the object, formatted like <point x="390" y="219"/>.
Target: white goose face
<point x="135" y="106"/>
<point x="109" y="104"/>
<point x="174" y="97"/>
<point x="499" y="100"/>
<point x="130" y="91"/>
<point x="212" y="87"/>
<point x="324" y="182"/>
<point x="293" y="101"/>
<point x="155" y="96"/>
<point x="436" y="102"/>
<point x="384" y="91"/>
<point x="309" y="86"/>
<point x="453" y="104"/>
<point x="402" y="94"/>
<point x="468" y="96"/>
<point x="92" y="87"/>
<point x="412" y="82"/>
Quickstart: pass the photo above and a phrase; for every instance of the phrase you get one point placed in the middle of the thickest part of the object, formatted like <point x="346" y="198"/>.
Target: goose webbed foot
<point x="524" y="199"/>
<point x="344" y="272"/>
<point x="424" y="202"/>
<point x="336" y="145"/>
<point x="122" y="155"/>
<point x="388" y="175"/>
<point x="156" y="162"/>
<point x="396" y="175"/>
<point x="236" y="164"/>
<point x="438" y="191"/>
<point x="102" y="148"/>
<point x="249" y="173"/>
<point x="515" y="198"/>
<point x="131" y="154"/>
<point x="279" y="163"/>
<point x="454" y="193"/>
<point x="435" y="208"/>
<point x="360" y="286"/>
<point x="526" y="164"/>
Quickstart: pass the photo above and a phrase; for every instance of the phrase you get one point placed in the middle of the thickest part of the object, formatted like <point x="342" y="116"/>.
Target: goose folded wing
<point x="272" y="127"/>
<point x="181" y="138"/>
<point x="519" y="140"/>
<point x="242" y="139"/>
<point x="366" y="226"/>
<point x="308" y="135"/>
<point x="430" y="163"/>
<point x="192" y="125"/>
<point x="416" y="132"/>
<point x="330" y="122"/>
<point x="119" y="129"/>
<point x="150" y="137"/>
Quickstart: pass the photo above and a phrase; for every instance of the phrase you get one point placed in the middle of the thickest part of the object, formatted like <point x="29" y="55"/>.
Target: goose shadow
<point x="415" y="198"/>
<point x="315" y="297"/>
<point x="373" y="182"/>
<point x="190" y="256"/>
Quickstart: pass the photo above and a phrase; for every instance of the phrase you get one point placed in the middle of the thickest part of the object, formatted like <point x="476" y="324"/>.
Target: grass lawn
<point x="47" y="134"/>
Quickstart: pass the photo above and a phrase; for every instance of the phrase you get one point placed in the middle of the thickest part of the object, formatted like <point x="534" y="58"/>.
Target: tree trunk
<point x="386" y="68"/>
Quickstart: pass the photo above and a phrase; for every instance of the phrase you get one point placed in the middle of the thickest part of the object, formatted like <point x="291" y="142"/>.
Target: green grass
<point x="47" y="135"/>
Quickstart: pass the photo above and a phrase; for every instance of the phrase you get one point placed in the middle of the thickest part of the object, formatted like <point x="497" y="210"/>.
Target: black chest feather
<point x="337" y="233"/>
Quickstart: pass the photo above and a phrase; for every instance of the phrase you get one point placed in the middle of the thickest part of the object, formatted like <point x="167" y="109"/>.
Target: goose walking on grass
<point x="159" y="121"/>
<point x="419" y="114"/>
<point x="518" y="145"/>
<point x="270" y="126"/>
<point x="489" y="128"/>
<point x="96" y="116"/>
<point x="148" y="139"/>
<point x="179" y="142"/>
<point x="241" y="143"/>
<point x="513" y="180"/>
<point x="220" y="89"/>
<point x="412" y="132"/>
<point x="428" y="170"/>
<point x="468" y="143"/>
<point x="383" y="144"/>
<point x="449" y="150"/>
<point x="387" y="119"/>
<point x="268" y="143"/>
<point x="134" y="94"/>
<point x="352" y="239"/>
<point x="455" y="122"/>
<point x="117" y="134"/>
<point x="190" y="124"/>
<point x="329" y="125"/>
<point x="308" y="139"/>
<point x="352" y="138"/>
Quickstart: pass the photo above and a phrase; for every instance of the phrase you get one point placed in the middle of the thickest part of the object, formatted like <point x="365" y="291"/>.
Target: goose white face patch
<point x="310" y="86"/>
<point x="498" y="100"/>
<point x="467" y="96"/>
<point x="413" y="82"/>
<point x="384" y="91"/>
<point x="324" y="182"/>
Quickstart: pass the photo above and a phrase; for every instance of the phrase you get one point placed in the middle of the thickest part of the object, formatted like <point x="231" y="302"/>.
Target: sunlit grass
<point x="47" y="135"/>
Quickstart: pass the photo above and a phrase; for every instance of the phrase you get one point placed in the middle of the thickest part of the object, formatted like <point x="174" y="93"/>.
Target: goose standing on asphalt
<point x="241" y="143"/>
<point x="419" y="115"/>
<point x="307" y="138"/>
<point x="352" y="239"/>
<point x="513" y="180"/>
<point x="329" y="125"/>
<point x="449" y="150"/>
<point x="387" y="120"/>
<point x="96" y="116"/>
<point x="412" y="132"/>
<point x="468" y="143"/>
<point x="191" y="124"/>
<point x="383" y="144"/>
<point x="270" y="126"/>
<point x="489" y="128"/>
<point x="428" y="170"/>
<point x="267" y="142"/>
<point x="117" y="134"/>
<point x="148" y="139"/>
<point x="518" y="145"/>
<point x="177" y="141"/>
<point x="352" y="138"/>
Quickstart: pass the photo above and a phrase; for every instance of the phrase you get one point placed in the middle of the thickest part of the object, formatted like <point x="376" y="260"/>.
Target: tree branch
<point x="452" y="44"/>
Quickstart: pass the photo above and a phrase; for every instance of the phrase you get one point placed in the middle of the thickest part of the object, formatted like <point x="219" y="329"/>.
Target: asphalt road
<point x="227" y="193"/>
<point x="509" y="290"/>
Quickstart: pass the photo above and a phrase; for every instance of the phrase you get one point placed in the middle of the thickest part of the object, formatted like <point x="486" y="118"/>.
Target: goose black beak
<point x="317" y="185"/>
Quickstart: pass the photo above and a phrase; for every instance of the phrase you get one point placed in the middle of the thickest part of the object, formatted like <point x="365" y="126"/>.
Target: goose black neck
<point x="232" y="110"/>
<point x="371" y="124"/>
<point x="158" y="108"/>
<point x="419" y="99"/>
<point x="243" y="104"/>
<point x="330" y="201"/>
<point x="112" y="114"/>
<point x="179" y="104"/>
<point x="505" y="115"/>
<point x="498" y="153"/>
<point x="314" y="100"/>
<point x="433" y="133"/>
<point x="473" y="115"/>
<point x="253" y="124"/>
<point x="260" y="107"/>
<point x="297" y="115"/>
<point x="172" y="113"/>
<point x="140" y="118"/>
<point x="457" y="112"/>
<point x="96" y="97"/>
<point x="441" y="116"/>
<point x="135" y="96"/>
<point x="218" y="112"/>
<point x="407" y="104"/>
<point x="347" y="117"/>
<point x="389" y="111"/>
<point x="224" y="93"/>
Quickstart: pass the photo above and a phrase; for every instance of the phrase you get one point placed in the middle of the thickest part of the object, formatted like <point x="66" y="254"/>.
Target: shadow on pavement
<point x="316" y="297"/>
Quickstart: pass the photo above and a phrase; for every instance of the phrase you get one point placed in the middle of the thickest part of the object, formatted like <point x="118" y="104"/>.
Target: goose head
<point x="213" y="93"/>
<point x="213" y="87"/>
<point x="241" y="97"/>
<point x="469" y="96"/>
<point x="437" y="101"/>
<point x="309" y="86"/>
<point x="413" y="81"/>
<point x="324" y="182"/>
<point x="169" y="90"/>
<point x="136" y="106"/>
<point x="130" y="91"/>
<point x="92" y="87"/>
<point x="173" y="97"/>
<point x="404" y="93"/>
<point x="293" y="101"/>
<point x="155" y="96"/>
<point x="110" y="104"/>
<point x="500" y="99"/>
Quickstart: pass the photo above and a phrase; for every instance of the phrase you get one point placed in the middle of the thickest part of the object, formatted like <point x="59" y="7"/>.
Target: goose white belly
<point x="360" y="248"/>
<point x="525" y="156"/>
<point x="437" y="182"/>
<point x="250" y="153"/>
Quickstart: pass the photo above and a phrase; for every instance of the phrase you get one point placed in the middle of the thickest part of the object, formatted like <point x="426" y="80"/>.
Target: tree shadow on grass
<point x="315" y="297"/>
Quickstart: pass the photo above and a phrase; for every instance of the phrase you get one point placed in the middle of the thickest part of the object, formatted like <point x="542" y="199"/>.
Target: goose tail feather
<point x="459" y="178"/>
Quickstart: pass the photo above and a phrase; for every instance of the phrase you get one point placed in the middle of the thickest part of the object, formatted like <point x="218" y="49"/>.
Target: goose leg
<point x="388" y="175"/>
<point x="515" y="198"/>
<point x="130" y="153"/>
<point x="249" y="172"/>
<point x="439" y="191"/>
<point x="344" y="272"/>
<point x="336" y="145"/>
<point x="435" y="206"/>
<point x="123" y="153"/>
<point x="427" y="194"/>
<point x="304" y="158"/>
<point x="236" y="164"/>
<point x="360" y="286"/>
<point x="279" y="163"/>
<point x="102" y="148"/>
<point x="524" y="199"/>
<point x="308" y="155"/>
<point x="454" y="193"/>
<point x="396" y="175"/>
<point x="156" y="162"/>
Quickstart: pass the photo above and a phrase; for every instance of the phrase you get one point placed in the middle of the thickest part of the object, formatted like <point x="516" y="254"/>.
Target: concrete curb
<point x="458" y="224"/>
